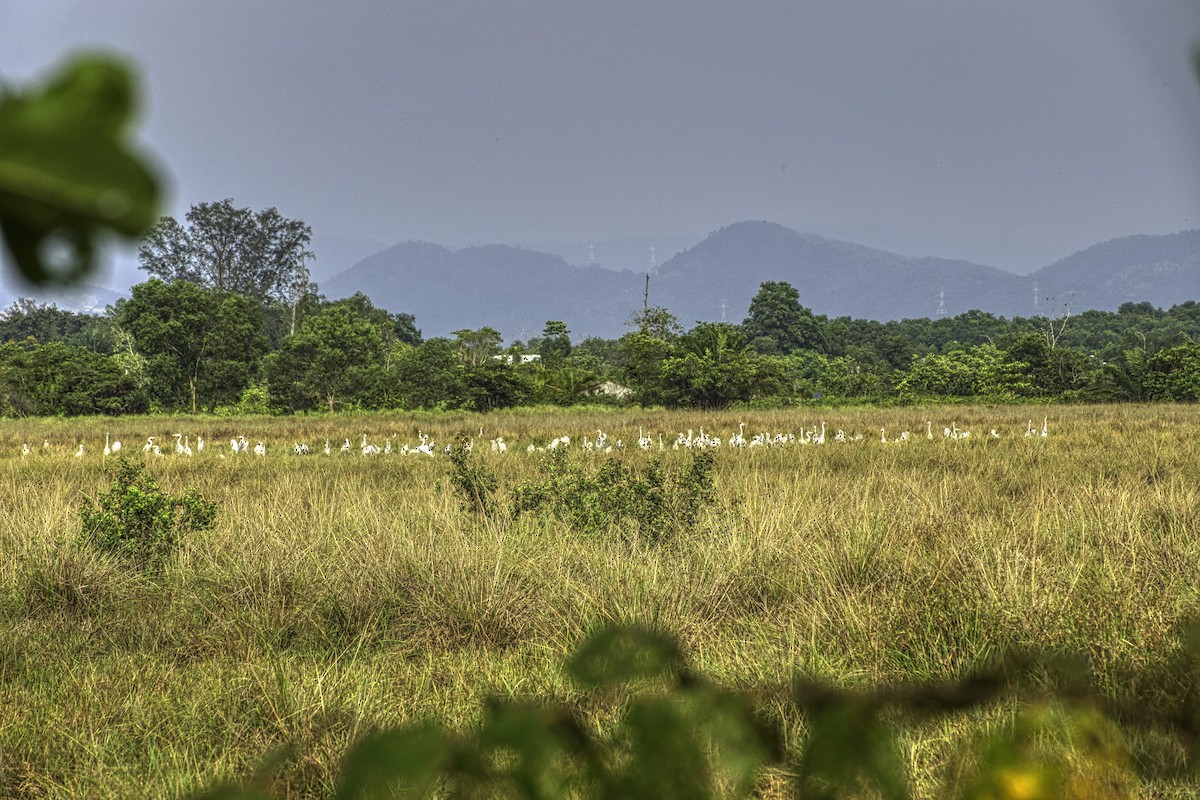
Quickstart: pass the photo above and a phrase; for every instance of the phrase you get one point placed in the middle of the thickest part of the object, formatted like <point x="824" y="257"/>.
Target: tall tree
<point x="259" y="255"/>
<point x="777" y="323"/>
<point x="201" y="346"/>
<point x="555" y="342"/>
<point x="477" y="347"/>
<point x="332" y="360"/>
<point x="715" y="367"/>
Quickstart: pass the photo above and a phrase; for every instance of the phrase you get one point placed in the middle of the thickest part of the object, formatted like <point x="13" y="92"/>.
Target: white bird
<point x="260" y="449"/>
<point x="1045" y="421"/>
<point x="24" y="449"/>
<point x="233" y="445"/>
<point x="199" y="444"/>
<point x="107" y="447"/>
<point x="328" y="451"/>
<point x="150" y="445"/>
<point x="116" y="447"/>
<point x="79" y="452"/>
<point x="345" y="446"/>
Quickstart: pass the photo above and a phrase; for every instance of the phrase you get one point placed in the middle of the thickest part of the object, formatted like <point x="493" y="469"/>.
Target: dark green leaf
<point x="619" y="655"/>
<point x="388" y="763"/>
<point x="846" y="743"/>
<point x="66" y="175"/>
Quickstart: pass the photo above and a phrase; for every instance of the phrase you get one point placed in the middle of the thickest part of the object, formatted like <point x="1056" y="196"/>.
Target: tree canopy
<point x="223" y="247"/>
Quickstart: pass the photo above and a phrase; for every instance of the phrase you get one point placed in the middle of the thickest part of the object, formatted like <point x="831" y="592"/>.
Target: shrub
<point x="594" y="500"/>
<point x="138" y="522"/>
<point x="474" y="483"/>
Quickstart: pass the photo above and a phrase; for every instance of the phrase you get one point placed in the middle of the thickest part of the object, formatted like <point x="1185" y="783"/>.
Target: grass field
<point x="338" y="593"/>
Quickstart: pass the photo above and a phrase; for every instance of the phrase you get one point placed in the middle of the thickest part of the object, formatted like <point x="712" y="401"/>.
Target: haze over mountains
<point x="516" y="290"/>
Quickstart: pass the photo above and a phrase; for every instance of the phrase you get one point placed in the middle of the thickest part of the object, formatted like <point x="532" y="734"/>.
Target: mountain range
<point x="516" y="290"/>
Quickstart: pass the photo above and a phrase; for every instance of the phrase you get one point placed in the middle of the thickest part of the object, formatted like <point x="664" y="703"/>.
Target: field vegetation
<point x="334" y="595"/>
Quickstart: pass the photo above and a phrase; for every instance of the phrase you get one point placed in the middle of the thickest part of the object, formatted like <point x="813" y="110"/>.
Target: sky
<point x="1010" y="134"/>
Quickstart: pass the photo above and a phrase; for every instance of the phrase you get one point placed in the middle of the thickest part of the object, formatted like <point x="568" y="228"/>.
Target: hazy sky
<point x="1010" y="133"/>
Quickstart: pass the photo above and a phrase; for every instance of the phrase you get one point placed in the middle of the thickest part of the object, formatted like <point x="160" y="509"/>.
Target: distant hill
<point x="1164" y="270"/>
<point x="517" y="290"/>
<point x="834" y="278"/>
<point x="513" y="290"/>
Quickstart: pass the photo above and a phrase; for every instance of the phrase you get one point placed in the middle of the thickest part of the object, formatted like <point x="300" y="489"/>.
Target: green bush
<point x="596" y="499"/>
<point x="474" y="483"/>
<point x="138" y="522"/>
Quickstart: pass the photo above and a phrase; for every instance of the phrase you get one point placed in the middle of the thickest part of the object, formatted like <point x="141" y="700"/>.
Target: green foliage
<point x="46" y="323"/>
<point x="334" y="356"/>
<point x="983" y="371"/>
<point x="255" y="401"/>
<point x="138" y="522"/>
<point x="61" y="379"/>
<point x="201" y="346"/>
<point x="494" y="384"/>
<point x="474" y="482"/>
<point x="429" y="376"/>
<point x="715" y="367"/>
<point x="68" y="173"/>
<point x="555" y="342"/>
<point x="778" y="324"/>
<point x="615" y="496"/>
<point x="258" y="255"/>
<point x="478" y="347"/>
<point x="1174" y="374"/>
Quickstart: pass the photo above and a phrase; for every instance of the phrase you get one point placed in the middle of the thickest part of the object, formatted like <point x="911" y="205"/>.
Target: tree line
<point x="229" y="322"/>
<point x="179" y="346"/>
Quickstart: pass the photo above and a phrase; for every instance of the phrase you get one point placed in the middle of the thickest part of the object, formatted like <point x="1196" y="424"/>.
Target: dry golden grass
<point x="340" y="593"/>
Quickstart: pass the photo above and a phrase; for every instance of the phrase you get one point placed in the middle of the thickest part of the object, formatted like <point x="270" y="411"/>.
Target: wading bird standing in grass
<point x="260" y="449"/>
<point x="79" y="452"/>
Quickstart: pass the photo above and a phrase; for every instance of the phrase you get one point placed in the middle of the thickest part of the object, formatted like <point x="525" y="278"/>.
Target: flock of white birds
<point x="240" y="446"/>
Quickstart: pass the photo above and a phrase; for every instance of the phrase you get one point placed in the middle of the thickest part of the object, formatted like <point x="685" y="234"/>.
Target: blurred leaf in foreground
<point x="623" y="654"/>
<point x="67" y="172"/>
